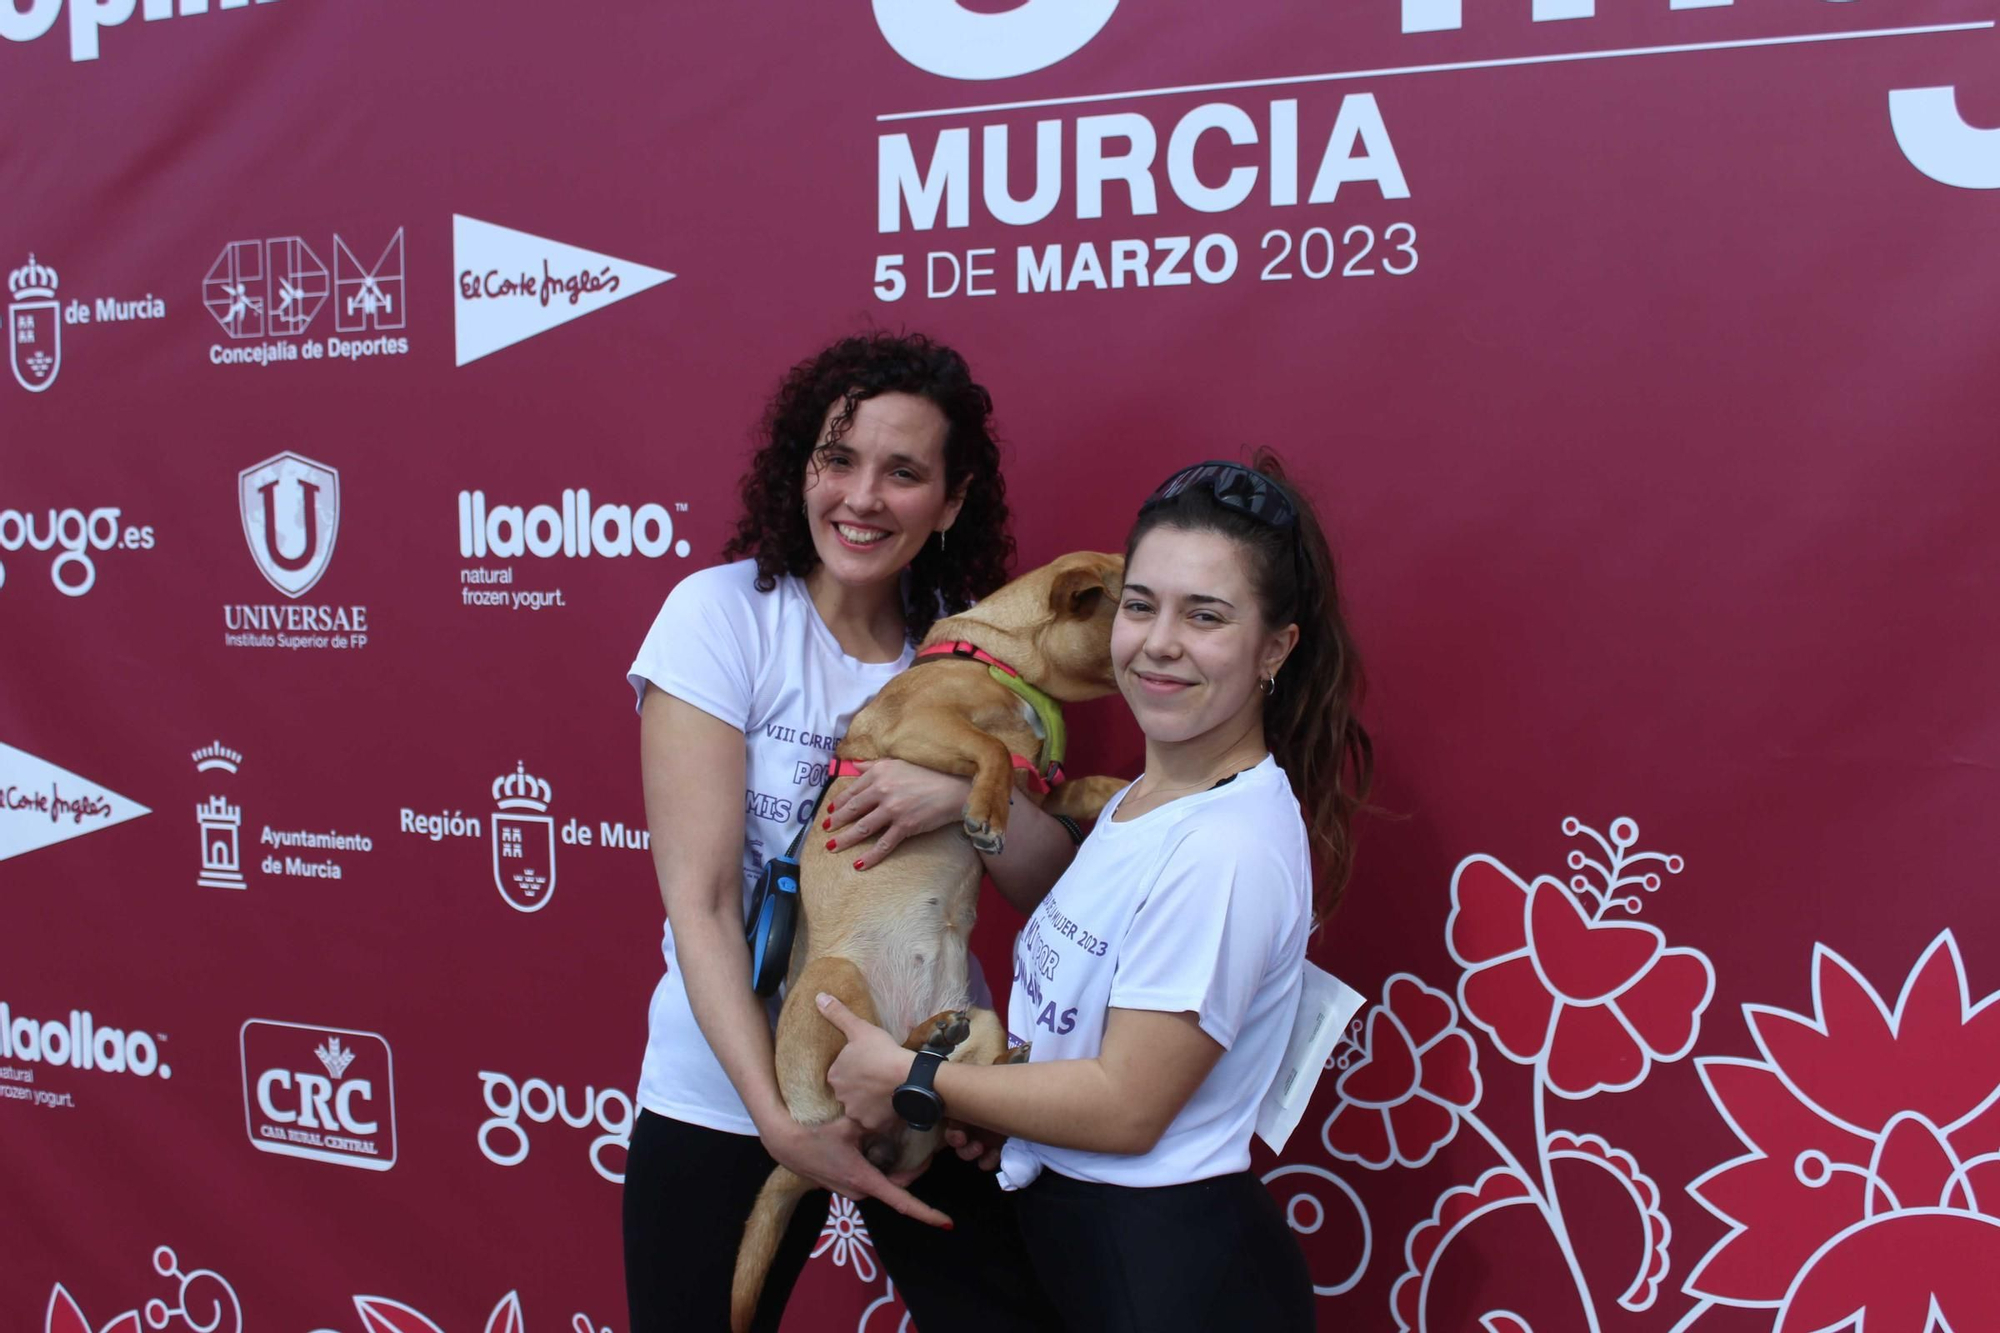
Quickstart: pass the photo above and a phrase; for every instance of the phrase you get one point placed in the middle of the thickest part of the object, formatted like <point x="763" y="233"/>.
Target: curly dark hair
<point x="943" y="578"/>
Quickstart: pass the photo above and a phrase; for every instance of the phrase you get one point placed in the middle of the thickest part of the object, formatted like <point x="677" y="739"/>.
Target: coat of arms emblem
<point x="34" y="326"/>
<point x="524" y="840"/>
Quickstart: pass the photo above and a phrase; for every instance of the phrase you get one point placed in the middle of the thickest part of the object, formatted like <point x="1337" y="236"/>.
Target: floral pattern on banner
<point x="1418" y="1073"/>
<point x="1559" y="982"/>
<point x="845" y="1238"/>
<point x="1560" y="978"/>
<point x="204" y="1302"/>
<point x="1869" y="1194"/>
<point x="886" y="1313"/>
<point x="380" y="1314"/>
<point x="1868" y="1197"/>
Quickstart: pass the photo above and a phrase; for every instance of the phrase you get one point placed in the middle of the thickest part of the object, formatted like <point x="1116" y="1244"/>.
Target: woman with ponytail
<point x="1158" y="980"/>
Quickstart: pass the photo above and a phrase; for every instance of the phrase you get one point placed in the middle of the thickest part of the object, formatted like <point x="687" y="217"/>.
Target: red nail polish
<point x="826" y="823"/>
<point x="858" y="865"/>
<point x="832" y="806"/>
<point x="947" y="1226"/>
<point x="830" y="842"/>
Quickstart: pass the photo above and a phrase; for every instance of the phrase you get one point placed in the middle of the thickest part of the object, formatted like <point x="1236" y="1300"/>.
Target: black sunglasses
<point x="1234" y="487"/>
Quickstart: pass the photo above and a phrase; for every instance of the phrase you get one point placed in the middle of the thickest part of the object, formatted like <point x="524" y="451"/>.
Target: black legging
<point x="1212" y="1254"/>
<point x="688" y="1191"/>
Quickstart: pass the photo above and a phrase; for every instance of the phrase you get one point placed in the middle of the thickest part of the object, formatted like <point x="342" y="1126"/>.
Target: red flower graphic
<point x="1871" y="1188"/>
<point x="1456" y="1209"/>
<point x="1592" y="1002"/>
<point x="204" y="1301"/>
<point x="1622" y="1166"/>
<point x="886" y="1314"/>
<point x="1418" y="1071"/>
<point x="65" y="1317"/>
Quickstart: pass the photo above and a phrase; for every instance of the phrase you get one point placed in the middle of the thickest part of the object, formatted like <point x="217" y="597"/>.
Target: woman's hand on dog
<point x="892" y="801"/>
<point x="829" y="1155"/>
<point x="868" y="1069"/>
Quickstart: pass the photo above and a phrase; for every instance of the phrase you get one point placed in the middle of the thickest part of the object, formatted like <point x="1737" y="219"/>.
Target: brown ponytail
<point x="1310" y="718"/>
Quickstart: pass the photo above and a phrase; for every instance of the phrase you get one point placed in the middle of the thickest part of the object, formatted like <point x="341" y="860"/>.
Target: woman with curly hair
<point x="874" y="506"/>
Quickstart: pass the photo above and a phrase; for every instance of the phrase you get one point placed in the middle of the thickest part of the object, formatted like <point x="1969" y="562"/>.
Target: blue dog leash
<point x="773" y="919"/>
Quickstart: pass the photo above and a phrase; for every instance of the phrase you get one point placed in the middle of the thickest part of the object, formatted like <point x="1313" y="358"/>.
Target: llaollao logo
<point x="943" y="37"/>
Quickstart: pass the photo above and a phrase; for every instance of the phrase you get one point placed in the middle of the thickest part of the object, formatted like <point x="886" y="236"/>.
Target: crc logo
<point x="291" y="514"/>
<point x="325" y="1094"/>
<point x="508" y="1100"/>
<point x="941" y="37"/>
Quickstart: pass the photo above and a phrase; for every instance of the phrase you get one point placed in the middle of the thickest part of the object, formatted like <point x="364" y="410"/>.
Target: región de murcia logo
<point x="524" y="840"/>
<point x="35" y="318"/>
<point x="524" y="836"/>
<point x="34" y="325"/>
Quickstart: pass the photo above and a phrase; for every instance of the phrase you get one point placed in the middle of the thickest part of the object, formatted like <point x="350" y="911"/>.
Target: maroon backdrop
<point x="1641" y="361"/>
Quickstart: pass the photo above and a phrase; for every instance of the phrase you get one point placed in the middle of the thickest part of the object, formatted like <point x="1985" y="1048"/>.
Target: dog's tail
<point x="776" y="1203"/>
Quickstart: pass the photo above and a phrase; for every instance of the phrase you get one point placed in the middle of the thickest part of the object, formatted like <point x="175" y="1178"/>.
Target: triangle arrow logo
<point x="513" y="285"/>
<point x="41" y="804"/>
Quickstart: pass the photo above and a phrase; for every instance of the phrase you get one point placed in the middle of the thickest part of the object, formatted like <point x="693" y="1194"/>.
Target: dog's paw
<point x="983" y="836"/>
<point x="944" y="1030"/>
<point x="1016" y="1055"/>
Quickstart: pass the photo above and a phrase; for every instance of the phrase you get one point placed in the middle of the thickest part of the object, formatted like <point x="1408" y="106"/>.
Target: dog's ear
<point x="1076" y="592"/>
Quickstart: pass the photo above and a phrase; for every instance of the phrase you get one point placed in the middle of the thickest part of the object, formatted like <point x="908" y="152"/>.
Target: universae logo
<point x="291" y="515"/>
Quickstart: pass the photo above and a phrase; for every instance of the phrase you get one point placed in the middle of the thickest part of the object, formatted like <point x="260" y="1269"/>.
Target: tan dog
<point x="891" y="943"/>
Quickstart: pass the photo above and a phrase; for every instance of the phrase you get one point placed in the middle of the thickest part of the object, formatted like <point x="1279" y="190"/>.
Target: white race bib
<point x="1325" y="1005"/>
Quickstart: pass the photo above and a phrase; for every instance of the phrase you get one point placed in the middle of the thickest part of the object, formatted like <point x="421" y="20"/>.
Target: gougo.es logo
<point x="73" y="534"/>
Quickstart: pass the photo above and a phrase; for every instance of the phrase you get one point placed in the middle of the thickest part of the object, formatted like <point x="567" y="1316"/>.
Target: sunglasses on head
<point x="1233" y="486"/>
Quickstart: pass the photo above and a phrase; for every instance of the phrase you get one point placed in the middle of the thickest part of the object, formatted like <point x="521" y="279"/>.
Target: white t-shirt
<point x="766" y="664"/>
<point x="1202" y="905"/>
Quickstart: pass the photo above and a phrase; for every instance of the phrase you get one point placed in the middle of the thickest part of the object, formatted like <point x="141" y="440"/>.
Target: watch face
<point x="920" y="1107"/>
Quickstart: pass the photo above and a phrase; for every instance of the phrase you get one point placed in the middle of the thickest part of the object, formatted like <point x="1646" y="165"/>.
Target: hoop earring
<point x="941" y="532"/>
<point x="1269" y="685"/>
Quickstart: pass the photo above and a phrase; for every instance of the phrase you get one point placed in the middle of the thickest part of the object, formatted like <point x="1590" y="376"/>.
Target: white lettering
<point x="1094" y="167"/>
<point x="1235" y="124"/>
<point x="267" y="1080"/>
<point x="1360" y="120"/>
<point x="898" y="185"/>
<point x="1000" y="201"/>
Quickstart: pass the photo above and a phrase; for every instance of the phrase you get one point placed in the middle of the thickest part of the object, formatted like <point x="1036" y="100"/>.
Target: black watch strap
<point x="915" y="1099"/>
